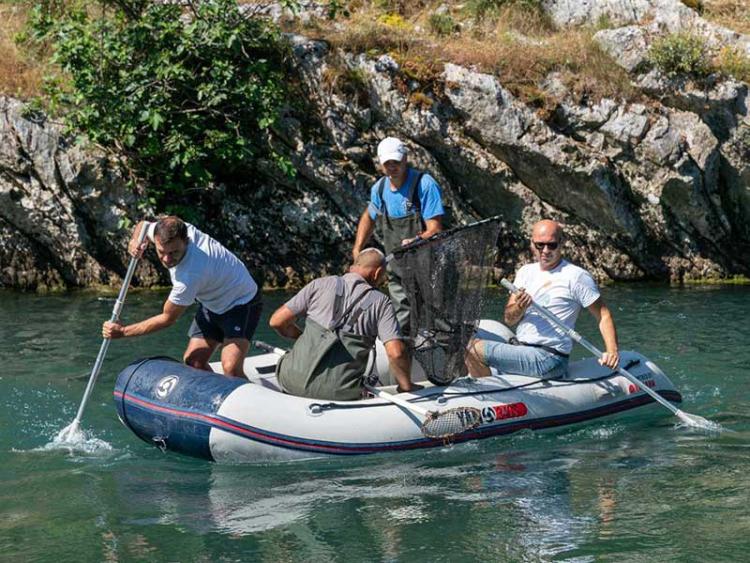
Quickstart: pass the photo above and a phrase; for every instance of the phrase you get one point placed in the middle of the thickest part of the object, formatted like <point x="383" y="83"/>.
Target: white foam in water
<point x="699" y="423"/>
<point x="73" y="439"/>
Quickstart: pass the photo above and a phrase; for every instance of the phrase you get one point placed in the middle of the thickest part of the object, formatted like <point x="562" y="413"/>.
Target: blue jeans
<point x="523" y="360"/>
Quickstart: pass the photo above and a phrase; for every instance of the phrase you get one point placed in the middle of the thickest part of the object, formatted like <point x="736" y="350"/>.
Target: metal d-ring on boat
<point x="227" y="419"/>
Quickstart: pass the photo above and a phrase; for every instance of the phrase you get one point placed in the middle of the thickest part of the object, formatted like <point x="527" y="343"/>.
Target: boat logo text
<point x="502" y="412"/>
<point x="165" y="385"/>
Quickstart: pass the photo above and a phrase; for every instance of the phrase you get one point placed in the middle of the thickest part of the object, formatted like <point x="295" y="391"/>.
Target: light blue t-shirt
<point x="397" y="202"/>
<point x="210" y="274"/>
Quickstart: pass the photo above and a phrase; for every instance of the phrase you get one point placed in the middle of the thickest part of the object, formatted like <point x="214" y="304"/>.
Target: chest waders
<point x="393" y="230"/>
<point x="329" y="363"/>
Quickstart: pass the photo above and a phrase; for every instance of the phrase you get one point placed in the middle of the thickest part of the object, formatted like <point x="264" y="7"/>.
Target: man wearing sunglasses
<point x="539" y="349"/>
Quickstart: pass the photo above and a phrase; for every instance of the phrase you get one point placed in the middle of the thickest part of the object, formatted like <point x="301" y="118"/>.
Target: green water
<point x="642" y="490"/>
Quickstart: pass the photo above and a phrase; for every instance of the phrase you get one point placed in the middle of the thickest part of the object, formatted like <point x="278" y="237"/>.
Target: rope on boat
<point x="424" y="398"/>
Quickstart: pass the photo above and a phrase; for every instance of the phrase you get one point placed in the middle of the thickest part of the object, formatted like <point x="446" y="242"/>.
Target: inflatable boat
<point x="226" y="419"/>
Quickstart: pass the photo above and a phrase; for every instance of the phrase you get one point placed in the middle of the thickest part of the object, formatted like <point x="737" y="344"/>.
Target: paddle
<point x="70" y="432"/>
<point x="435" y="424"/>
<point x="688" y="419"/>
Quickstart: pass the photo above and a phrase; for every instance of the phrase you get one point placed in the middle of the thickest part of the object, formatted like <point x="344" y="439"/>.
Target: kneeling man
<point x="540" y="349"/>
<point x="344" y="316"/>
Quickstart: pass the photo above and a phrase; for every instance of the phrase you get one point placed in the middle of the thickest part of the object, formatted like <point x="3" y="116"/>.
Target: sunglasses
<point x="541" y="245"/>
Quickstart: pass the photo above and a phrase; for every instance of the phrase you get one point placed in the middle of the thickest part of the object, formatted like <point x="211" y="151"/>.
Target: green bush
<point x="680" y="53"/>
<point x="442" y="24"/>
<point x="734" y="62"/>
<point x="186" y="94"/>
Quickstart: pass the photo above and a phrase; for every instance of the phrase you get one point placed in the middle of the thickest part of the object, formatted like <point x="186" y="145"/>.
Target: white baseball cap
<point x="391" y="148"/>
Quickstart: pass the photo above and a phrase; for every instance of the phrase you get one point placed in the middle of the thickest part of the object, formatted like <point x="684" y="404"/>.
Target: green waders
<point x="393" y="231"/>
<point x="328" y="363"/>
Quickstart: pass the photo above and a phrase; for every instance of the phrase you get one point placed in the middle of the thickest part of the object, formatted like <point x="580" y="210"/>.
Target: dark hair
<point x="169" y="228"/>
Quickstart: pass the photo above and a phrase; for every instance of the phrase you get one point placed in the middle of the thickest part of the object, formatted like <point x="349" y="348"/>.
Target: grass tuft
<point x="732" y="14"/>
<point x="733" y="62"/>
<point x="20" y="74"/>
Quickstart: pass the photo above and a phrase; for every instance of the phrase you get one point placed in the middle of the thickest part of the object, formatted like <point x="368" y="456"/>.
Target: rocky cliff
<point x="658" y="189"/>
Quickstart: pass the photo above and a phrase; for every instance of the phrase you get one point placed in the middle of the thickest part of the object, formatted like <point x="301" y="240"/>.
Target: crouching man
<point x="202" y="271"/>
<point x="344" y="315"/>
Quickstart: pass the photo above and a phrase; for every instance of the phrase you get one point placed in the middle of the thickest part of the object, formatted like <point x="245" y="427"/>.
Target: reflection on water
<point x="561" y="496"/>
<point x="638" y="489"/>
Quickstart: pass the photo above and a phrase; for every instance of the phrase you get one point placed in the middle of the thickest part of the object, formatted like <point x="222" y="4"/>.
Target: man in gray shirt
<point x="344" y="316"/>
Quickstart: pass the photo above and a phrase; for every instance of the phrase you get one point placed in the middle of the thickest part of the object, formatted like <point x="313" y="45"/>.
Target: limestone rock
<point x="651" y="190"/>
<point x="627" y="45"/>
<point x="63" y="199"/>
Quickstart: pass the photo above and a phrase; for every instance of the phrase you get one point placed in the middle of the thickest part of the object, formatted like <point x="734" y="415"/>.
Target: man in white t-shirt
<point x="202" y="271"/>
<point x="539" y="348"/>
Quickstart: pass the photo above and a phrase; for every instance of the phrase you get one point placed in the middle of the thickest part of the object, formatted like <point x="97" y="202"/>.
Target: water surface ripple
<point x="623" y="490"/>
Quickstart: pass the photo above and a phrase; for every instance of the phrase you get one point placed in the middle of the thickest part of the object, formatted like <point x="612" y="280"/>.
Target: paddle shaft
<point x="397" y="401"/>
<point x="116" y="310"/>
<point x="593" y="349"/>
<point x="377" y="392"/>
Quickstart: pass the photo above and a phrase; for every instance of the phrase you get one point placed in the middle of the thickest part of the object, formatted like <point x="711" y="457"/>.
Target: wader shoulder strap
<point x="413" y="194"/>
<point x="381" y="186"/>
<point x="339" y="322"/>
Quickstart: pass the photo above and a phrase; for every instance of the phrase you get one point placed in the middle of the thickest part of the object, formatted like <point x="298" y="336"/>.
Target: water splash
<point x="73" y="439"/>
<point x="696" y="422"/>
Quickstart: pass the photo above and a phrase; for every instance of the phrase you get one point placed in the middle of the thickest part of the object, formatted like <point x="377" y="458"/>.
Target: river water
<point x="643" y="490"/>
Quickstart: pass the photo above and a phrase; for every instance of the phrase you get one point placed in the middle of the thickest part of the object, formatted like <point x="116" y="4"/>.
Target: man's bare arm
<point x="364" y="231"/>
<point x="600" y="311"/>
<point x="134" y="249"/>
<point x="516" y="307"/>
<point x="284" y="322"/>
<point x="169" y="315"/>
<point x="400" y="364"/>
<point x="432" y="226"/>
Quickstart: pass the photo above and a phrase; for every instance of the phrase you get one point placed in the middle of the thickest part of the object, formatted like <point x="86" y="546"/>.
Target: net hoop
<point x="451" y="422"/>
<point x="444" y="278"/>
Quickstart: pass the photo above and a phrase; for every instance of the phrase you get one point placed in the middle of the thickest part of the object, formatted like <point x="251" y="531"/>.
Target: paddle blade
<point x="70" y="434"/>
<point x="695" y="421"/>
<point x="73" y="439"/>
<point x="450" y="422"/>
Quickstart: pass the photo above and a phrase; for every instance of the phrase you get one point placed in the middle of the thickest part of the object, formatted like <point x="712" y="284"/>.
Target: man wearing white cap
<point x="405" y="204"/>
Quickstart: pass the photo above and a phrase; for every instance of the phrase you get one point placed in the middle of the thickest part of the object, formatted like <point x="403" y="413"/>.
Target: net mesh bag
<point x="448" y="423"/>
<point x="444" y="279"/>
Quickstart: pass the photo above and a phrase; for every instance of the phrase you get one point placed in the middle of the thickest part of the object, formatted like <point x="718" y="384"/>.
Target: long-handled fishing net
<point x="444" y="279"/>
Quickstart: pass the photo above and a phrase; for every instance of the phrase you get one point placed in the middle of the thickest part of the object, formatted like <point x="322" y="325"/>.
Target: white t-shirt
<point x="209" y="274"/>
<point x="564" y="291"/>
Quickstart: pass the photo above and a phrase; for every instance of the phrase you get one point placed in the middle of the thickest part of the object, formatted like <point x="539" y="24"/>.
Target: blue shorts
<point x="238" y="322"/>
<point x="523" y="360"/>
